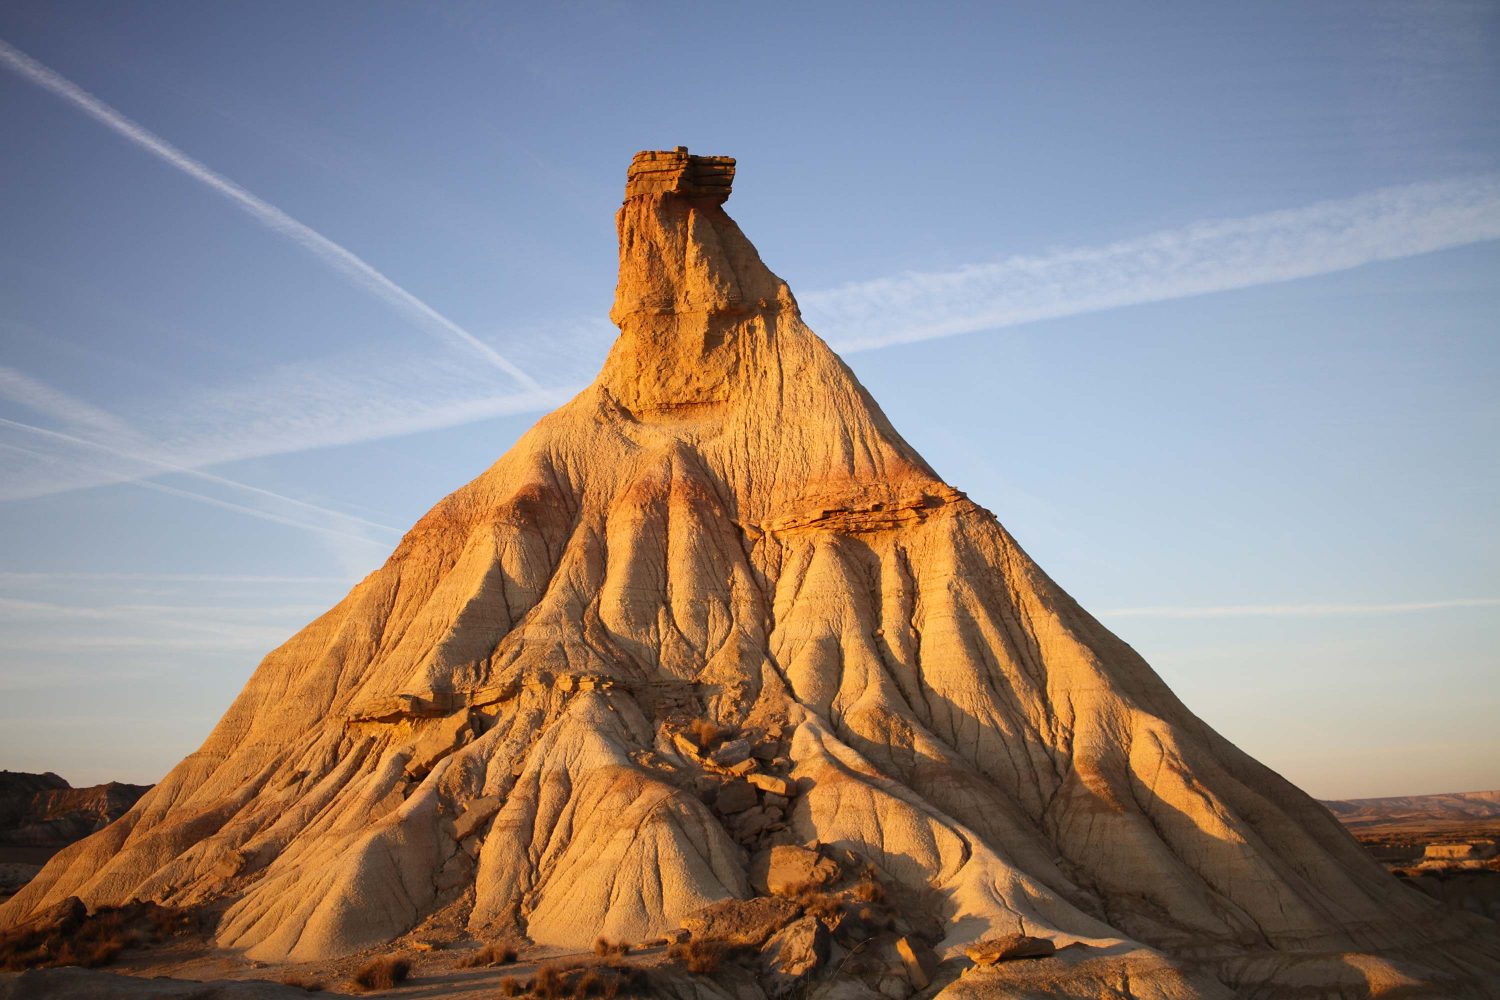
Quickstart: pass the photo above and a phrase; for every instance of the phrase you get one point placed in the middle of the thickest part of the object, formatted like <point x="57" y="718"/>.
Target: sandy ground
<point x="437" y="973"/>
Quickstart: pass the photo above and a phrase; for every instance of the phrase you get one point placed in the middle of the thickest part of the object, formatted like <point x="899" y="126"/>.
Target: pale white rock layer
<point x="725" y="524"/>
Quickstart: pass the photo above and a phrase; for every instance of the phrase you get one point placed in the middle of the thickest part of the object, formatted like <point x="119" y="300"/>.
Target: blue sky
<point x="1200" y="299"/>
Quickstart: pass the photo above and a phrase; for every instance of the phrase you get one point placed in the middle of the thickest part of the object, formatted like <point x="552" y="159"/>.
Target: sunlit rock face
<point x="493" y="728"/>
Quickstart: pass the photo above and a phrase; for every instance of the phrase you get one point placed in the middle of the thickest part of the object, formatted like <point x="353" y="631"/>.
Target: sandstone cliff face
<point x="725" y="525"/>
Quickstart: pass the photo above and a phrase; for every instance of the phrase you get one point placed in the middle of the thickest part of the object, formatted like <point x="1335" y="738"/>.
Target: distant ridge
<point x="43" y="810"/>
<point x="1444" y="808"/>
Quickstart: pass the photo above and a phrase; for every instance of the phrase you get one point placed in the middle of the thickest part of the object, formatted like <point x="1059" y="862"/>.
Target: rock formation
<point x="1424" y="812"/>
<point x="43" y="810"/>
<point x="713" y="604"/>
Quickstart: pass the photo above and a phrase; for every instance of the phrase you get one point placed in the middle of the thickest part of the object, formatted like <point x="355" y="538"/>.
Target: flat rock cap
<point x="658" y="172"/>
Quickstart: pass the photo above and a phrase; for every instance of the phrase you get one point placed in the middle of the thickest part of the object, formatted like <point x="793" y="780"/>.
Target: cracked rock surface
<point x="724" y="526"/>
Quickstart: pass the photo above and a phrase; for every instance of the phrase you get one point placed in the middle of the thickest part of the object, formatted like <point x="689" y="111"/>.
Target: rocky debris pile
<point x="716" y="606"/>
<point x="744" y="779"/>
<point x="816" y="918"/>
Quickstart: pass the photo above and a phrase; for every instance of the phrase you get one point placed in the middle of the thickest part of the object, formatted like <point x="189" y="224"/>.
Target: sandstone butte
<point x="489" y="728"/>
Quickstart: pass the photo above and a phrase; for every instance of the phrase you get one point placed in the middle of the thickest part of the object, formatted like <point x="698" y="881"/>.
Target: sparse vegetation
<point x="705" y="732"/>
<point x="700" y="955"/>
<point x="559" y="981"/>
<point x="496" y="953"/>
<point x="95" y="939"/>
<point x="382" y="973"/>
<point x="867" y="890"/>
<point x="605" y="948"/>
<point x="510" y="986"/>
<point x="815" y="902"/>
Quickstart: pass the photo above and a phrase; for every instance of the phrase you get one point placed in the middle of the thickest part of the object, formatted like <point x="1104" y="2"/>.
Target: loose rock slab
<point x="743" y="922"/>
<point x="1012" y="946"/>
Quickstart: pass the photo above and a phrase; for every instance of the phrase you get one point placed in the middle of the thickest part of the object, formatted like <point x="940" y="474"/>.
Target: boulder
<point x="793" y="953"/>
<point x="745" y="922"/>
<point x="732" y="753"/>
<point x="768" y="751"/>
<point x="65" y="915"/>
<point x="772" y="784"/>
<point x="735" y="797"/>
<point x="783" y="869"/>
<point x="686" y="746"/>
<point x="752" y="821"/>
<point x="1011" y="946"/>
<point x="919" y="961"/>
<point x="474" y="816"/>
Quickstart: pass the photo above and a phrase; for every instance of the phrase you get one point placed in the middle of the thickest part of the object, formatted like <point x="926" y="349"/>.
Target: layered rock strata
<point x="520" y="720"/>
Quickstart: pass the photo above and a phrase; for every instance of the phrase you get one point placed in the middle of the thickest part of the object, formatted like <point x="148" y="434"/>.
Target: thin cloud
<point x="341" y="259"/>
<point x="292" y="408"/>
<point x="349" y="525"/>
<point x="1216" y="256"/>
<point x="1299" y="610"/>
<point x="28" y="578"/>
<point x="33" y="625"/>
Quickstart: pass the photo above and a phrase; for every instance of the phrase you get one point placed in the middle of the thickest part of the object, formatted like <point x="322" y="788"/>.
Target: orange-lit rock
<point x="725" y="524"/>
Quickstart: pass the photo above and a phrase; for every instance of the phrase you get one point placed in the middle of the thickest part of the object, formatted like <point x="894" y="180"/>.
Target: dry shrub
<point x="700" y="955"/>
<point x="382" y="973"/>
<point x="605" y="948"/>
<point x="874" y="917"/>
<point x="706" y="732"/>
<point x="97" y="939"/>
<point x="815" y="902"/>
<point x="557" y="981"/>
<point x="867" y="890"/>
<point x="310" y="985"/>
<point x="496" y="953"/>
<point x="510" y="986"/>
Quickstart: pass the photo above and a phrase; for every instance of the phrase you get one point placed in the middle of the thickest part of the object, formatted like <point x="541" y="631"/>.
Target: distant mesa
<point x="713" y="606"/>
<point x="44" y="811"/>
<point x="41" y="813"/>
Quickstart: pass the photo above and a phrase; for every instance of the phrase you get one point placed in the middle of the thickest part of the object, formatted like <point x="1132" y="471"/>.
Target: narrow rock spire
<point x="692" y="289"/>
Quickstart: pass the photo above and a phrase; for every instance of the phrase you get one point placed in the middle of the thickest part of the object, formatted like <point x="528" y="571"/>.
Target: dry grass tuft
<point x="867" y="890"/>
<point x="605" y="948"/>
<point x="706" y="732"/>
<point x="497" y="953"/>
<point x="700" y="955"/>
<point x="510" y="986"/>
<point x="96" y="939"/>
<point x="580" y="980"/>
<point x="815" y="902"/>
<point x="382" y="973"/>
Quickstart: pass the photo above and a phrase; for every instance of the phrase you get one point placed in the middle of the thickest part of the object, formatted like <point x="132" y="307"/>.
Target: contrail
<point x="1215" y="256"/>
<point x="164" y="466"/>
<point x="273" y="218"/>
<point x="1300" y="610"/>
